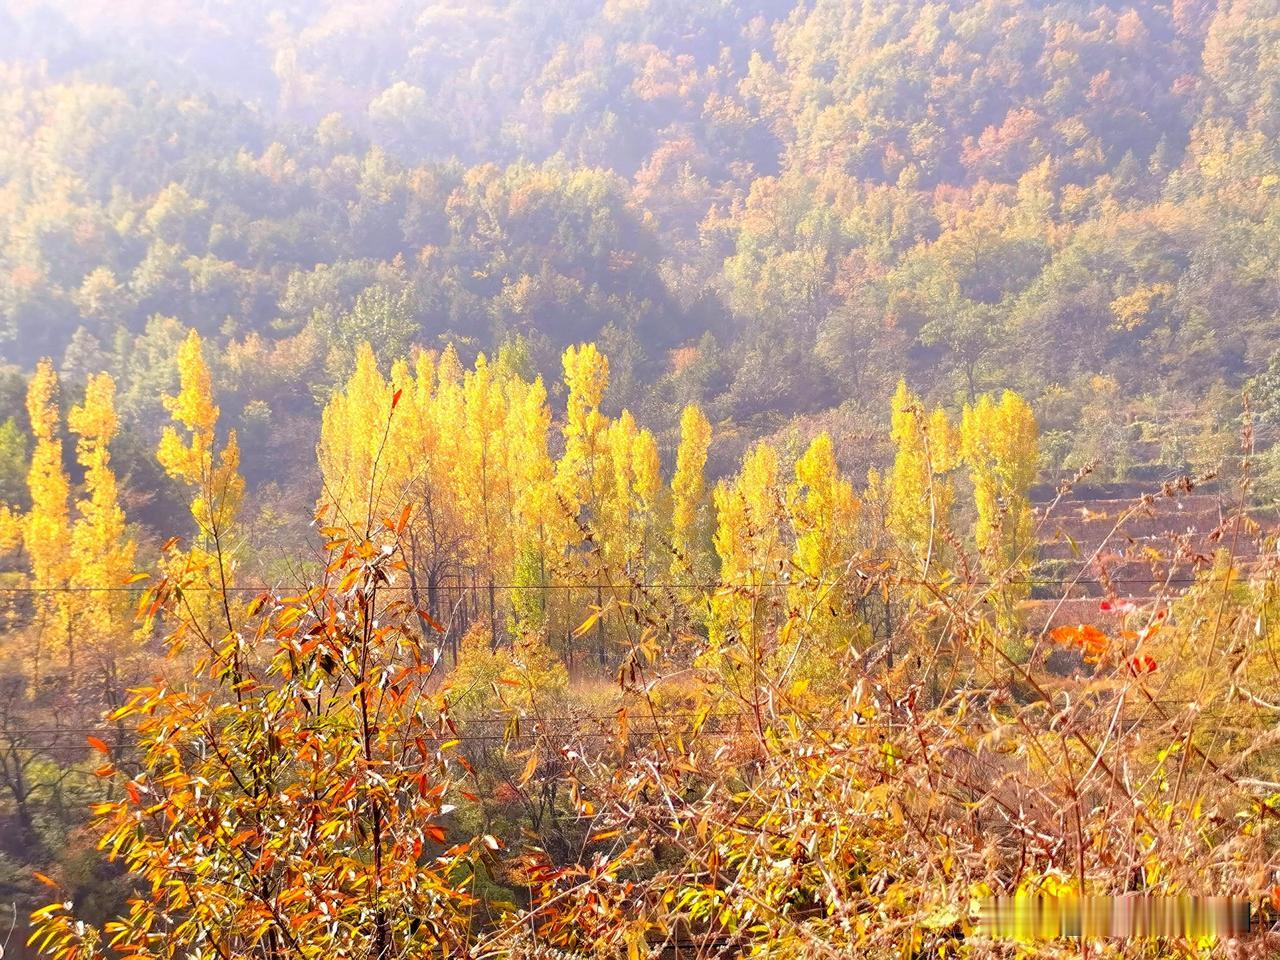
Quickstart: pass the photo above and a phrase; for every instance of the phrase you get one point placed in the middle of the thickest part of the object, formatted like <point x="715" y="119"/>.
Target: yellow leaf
<point x="586" y="624"/>
<point x="529" y="769"/>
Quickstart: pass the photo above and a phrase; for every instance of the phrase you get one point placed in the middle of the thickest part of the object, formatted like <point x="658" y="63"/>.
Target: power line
<point x="624" y="584"/>
<point x="712" y="718"/>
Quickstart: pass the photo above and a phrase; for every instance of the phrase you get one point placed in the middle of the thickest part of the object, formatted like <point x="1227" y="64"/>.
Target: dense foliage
<point x="582" y="459"/>
<point x="763" y="209"/>
<point x="784" y="716"/>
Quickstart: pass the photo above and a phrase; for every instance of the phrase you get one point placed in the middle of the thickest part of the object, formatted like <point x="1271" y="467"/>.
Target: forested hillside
<point x="493" y="479"/>
<point x="768" y="210"/>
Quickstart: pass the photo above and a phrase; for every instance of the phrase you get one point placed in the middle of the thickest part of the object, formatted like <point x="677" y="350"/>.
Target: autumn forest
<point x="635" y="479"/>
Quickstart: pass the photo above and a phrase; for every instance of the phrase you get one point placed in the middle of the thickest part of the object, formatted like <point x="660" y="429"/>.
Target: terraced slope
<point x="1110" y="542"/>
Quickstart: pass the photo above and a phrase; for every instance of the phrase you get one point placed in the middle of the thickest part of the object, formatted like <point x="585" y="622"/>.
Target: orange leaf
<point x="98" y="745"/>
<point x="1092" y="641"/>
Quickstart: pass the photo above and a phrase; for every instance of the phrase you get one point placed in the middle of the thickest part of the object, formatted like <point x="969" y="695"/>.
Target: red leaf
<point x="1117" y="606"/>
<point x="1141" y="665"/>
<point x="98" y="745"/>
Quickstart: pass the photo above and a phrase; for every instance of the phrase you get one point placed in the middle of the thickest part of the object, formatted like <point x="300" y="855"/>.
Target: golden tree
<point x="583" y="478"/>
<point x="918" y="490"/>
<point x="357" y="463"/>
<point x="541" y="525"/>
<point x="824" y="514"/>
<point x="748" y="541"/>
<point x="628" y="510"/>
<point x="481" y="479"/>
<point x="647" y="496"/>
<point x="689" y="508"/>
<point x="102" y="552"/>
<point x="1000" y="444"/>
<point x="465" y="453"/>
<point x="47" y="527"/>
<point x="189" y="453"/>
<point x="582" y="471"/>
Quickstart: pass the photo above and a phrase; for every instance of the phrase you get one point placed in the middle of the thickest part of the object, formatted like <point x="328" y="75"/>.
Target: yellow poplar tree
<point x="103" y="554"/>
<point x="541" y="527"/>
<point x="999" y="442"/>
<point x="188" y="452"/>
<point x="466" y="452"/>
<point x="409" y="450"/>
<point x="647" y="490"/>
<point x="46" y="531"/>
<point x="583" y="470"/>
<point x="583" y="473"/>
<point x="617" y="505"/>
<point x="748" y="541"/>
<point x="824" y="512"/>
<point x="629" y="504"/>
<point x="689" y="498"/>
<point x="421" y="455"/>
<point x="480" y="482"/>
<point x="448" y="411"/>
<point x="364" y="450"/>
<point x="918" y="490"/>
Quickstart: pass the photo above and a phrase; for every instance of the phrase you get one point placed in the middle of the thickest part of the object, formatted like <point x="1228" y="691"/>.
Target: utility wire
<point x="712" y="718"/>
<point x="622" y="584"/>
